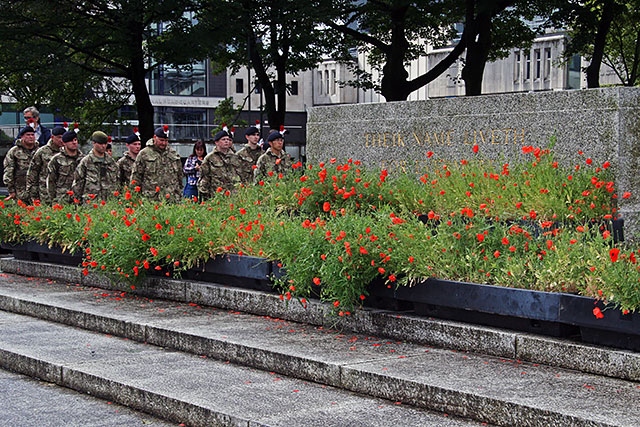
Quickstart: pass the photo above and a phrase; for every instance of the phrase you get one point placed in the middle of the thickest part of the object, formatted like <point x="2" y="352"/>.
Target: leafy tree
<point x="622" y="49"/>
<point x="492" y="28"/>
<point x="276" y="37"/>
<point x="392" y="33"/>
<point x="102" y="43"/>
<point x="603" y="31"/>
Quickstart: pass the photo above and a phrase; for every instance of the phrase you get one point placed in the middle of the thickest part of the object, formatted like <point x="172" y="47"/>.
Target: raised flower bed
<point x="352" y="237"/>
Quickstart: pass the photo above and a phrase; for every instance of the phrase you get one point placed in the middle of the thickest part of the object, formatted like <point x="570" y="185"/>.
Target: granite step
<point x="185" y="388"/>
<point x="490" y="389"/>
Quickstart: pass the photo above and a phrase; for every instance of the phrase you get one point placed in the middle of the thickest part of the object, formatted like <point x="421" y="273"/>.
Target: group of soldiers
<point x="224" y="169"/>
<point x="58" y="172"/>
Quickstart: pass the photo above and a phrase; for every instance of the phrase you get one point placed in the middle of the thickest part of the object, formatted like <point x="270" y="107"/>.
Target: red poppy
<point x="613" y="254"/>
<point x="598" y="313"/>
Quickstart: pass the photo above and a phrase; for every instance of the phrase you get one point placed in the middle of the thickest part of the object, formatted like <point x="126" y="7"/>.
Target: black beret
<point x="69" y="136"/>
<point x="252" y="131"/>
<point x="24" y="130"/>
<point x="132" y="138"/>
<point x="162" y="132"/>
<point x="221" y="135"/>
<point x="57" y="131"/>
<point x="275" y="135"/>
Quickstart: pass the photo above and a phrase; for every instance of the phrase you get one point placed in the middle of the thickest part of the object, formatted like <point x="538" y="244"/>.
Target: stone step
<point x="496" y="390"/>
<point x="30" y="402"/>
<point x="188" y="389"/>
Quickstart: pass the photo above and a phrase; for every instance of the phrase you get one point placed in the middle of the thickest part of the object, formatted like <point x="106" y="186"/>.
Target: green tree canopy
<point x="99" y="46"/>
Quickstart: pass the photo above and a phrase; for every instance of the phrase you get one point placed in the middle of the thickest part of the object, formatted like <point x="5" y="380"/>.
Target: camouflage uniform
<point x="248" y="158"/>
<point x="37" y="174"/>
<point x="60" y="172"/>
<point x="125" y="165"/>
<point x="269" y="162"/>
<point x="95" y="176"/>
<point x="158" y="168"/>
<point x="218" y="170"/>
<point x="16" y="165"/>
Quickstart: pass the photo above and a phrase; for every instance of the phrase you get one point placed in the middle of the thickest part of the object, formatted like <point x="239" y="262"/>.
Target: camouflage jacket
<point x="248" y="158"/>
<point x="37" y="174"/>
<point x="125" y="165"/>
<point x="158" y="173"/>
<point x="218" y="170"/>
<point x="269" y="164"/>
<point x="16" y="165"/>
<point x="95" y="178"/>
<point x="60" y="172"/>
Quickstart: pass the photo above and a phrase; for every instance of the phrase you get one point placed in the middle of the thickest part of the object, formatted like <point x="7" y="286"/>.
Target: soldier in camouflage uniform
<point x="16" y="164"/>
<point x="220" y="168"/>
<point x="249" y="154"/>
<point x="158" y="169"/>
<point x="96" y="177"/>
<point x="61" y="168"/>
<point x="37" y="174"/>
<point x="125" y="163"/>
<point x="275" y="160"/>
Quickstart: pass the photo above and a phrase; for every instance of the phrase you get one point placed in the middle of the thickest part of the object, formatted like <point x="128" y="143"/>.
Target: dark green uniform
<point x="218" y="170"/>
<point x="269" y="162"/>
<point x="16" y="165"/>
<point x="158" y="173"/>
<point x="60" y="171"/>
<point x="37" y="174"/>
<point x="96" y="178"/>
<point x="248" y="159"/>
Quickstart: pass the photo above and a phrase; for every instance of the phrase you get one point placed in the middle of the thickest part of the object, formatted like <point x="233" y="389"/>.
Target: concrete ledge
<point x="397" y="326"/>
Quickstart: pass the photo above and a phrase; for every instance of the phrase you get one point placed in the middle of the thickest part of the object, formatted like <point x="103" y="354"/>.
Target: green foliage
<point x="336" y="228"/>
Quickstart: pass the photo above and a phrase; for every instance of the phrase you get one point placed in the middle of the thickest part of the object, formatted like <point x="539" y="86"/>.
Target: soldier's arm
<point x="33" y="177"/>
<point x="52" y="179"/>
<point x="137" y="171"/>
<point x="9" y="166"/>
<point x="79" y="180"/>
<point x="203" y="181"/>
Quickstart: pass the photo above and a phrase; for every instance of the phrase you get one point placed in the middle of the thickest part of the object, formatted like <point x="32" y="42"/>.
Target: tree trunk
<point x="478" y="46"/>
<point x="593" y="70"/>
<point x="143" y="101"/>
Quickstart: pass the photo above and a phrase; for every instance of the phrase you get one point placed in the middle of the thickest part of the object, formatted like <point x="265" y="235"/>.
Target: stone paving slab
<point x="185" y="388"/>
<point x="29" y="402"/>
<point x="499" y="390"/>
<point x="396" y="326"/>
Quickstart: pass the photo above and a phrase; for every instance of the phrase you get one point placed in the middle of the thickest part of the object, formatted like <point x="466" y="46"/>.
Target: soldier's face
<point x="57" y="140"/>
<point x="161" y="143"/>
<point x="29" y="139"/>
<point x="253" y="138"/>
<point x="71" y="146"/>
<point x="99" y="148"/>
<point x="134" y="147"/>
<point x="277" y="144"/>
<point x="224" y="143"/>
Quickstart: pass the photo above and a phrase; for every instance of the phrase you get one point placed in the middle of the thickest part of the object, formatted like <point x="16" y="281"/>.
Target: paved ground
<point x="27" y="402"/>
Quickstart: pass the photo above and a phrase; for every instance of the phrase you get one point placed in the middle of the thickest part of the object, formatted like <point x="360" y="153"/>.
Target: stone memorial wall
<point x="603" y="123"/>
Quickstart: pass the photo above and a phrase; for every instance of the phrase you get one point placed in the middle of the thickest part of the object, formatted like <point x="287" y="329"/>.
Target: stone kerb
<point x="604" y="123"/>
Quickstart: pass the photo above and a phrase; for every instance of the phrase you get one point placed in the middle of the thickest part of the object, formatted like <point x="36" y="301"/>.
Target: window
<point x="538" y="58"/>
<point x="239" y="86"/>
<point x="527" y="65"/>
<point x="517" y="67"/>
<point x="187" y="80"/>
<point x="320" y="81"/>
<point x="547" y="63"/>
<point x="293" y="88"/>
<point x="333" y="82"/>
<point x="326" y="82"/>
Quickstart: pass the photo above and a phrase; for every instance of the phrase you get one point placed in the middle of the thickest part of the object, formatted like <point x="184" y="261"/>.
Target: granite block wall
<point x="603" y="123"/>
